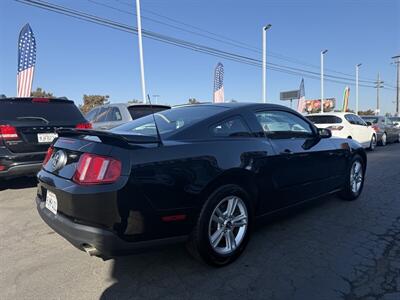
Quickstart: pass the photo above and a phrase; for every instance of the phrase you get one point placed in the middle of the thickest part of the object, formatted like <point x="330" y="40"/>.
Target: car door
<point x="304" y="165"/>
<point x="364" y="130"/>
<point x="391" y="130"/>
<point x="356" y="129"/>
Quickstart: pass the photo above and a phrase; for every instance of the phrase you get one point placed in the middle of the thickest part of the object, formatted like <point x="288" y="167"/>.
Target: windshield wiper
<point x="34" y="118"/>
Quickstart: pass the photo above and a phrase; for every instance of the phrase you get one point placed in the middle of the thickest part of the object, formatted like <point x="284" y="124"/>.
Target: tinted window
<point x="114" y="114"/>
<point x="141" y="111"/>
<point x="169" y="121"/>
<point x="371" y="119"/>
<point x="101" y="115"/>
<point x="91" y="114"/>
<point x="53" y="111"/>
<point x="230" y="128"/>
<point x="358" y="120"/>
<point x="281" y="124"/>
<point x="325" y="119"/>
<point x="351" y="119"/>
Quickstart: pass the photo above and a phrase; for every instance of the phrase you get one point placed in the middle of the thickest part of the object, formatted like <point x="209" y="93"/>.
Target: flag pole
<point x="139" y="26"/>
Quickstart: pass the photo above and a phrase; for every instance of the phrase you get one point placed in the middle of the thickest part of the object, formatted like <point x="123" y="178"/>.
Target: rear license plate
<point x="46" y="137"/>
<point x="51" y="202"/>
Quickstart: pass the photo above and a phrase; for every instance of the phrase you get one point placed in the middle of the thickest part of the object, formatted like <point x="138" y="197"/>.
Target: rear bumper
<point x="18" y="164"/>
<point x="106" y="243"/>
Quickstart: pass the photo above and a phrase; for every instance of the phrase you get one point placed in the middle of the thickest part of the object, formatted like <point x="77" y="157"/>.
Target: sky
<point x="76" y="58"/>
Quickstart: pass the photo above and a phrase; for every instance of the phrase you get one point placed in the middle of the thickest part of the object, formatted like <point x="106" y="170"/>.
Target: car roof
<point x="20" y="99"/>
<point x="122" y="104"/>
<point x="237" y="105"/>
<point x="338" y="114"/>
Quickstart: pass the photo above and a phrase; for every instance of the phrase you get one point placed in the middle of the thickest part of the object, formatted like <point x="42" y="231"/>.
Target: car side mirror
<point x="396" y="124"/>
<point x="369" y="123"/>
<point x="324" y="133"/>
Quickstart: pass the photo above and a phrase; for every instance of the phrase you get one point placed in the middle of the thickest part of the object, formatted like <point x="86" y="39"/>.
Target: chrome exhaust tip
<point x="92" y="251"/>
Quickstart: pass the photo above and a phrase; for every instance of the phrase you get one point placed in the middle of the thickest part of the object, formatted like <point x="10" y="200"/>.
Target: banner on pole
<point x="26" y="61"/>
<point x="218" y="96"/>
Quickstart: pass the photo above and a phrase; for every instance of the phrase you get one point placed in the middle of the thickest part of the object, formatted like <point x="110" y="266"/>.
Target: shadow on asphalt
<point x="172" y="272"/>
<point x="17" y="183"/>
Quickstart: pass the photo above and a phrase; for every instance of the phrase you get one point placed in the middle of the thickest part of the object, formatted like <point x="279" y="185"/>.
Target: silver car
<point x="112" y="115"/>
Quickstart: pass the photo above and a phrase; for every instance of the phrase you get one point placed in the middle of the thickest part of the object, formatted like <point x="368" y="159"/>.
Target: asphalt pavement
<point x="330" y="249"/>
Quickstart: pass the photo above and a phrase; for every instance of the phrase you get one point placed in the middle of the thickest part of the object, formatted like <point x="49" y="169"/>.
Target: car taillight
<point x="335" y="127"/>
<point x="8" y="133"/>
<point x="96" y="169"/>
<point x="84" y="126"/>
<point x="48" y="155"/>
<point x="375" y="127"/>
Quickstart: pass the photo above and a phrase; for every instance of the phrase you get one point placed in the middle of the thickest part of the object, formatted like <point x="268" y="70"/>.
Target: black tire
<point x="372" y="143"/>
<point x="199" y="244"/>
<point x="348" y="193"/>
<point x="383" y="141"/>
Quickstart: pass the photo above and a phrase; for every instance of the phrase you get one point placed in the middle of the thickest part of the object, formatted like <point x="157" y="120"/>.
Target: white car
<point x="346" y="125"/>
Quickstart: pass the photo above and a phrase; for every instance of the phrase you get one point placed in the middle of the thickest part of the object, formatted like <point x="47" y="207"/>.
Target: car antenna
<point x="155" y="122"/>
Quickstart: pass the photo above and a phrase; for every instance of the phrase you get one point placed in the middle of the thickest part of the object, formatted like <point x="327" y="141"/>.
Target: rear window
<point x="169" y="121"/>
<point x="26" y="110"/>
<point x="324" y="119"/>
<point x="138" y="111"/>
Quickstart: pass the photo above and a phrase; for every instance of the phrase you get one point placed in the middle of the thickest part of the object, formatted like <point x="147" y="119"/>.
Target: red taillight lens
<point x="96" y="169"/>
<point x="335" y="127"/>
<point x="8" y="133"/>
<point x="84" y="126"/>
<point x="48" y="155"/>
<point x="375" y="127"/>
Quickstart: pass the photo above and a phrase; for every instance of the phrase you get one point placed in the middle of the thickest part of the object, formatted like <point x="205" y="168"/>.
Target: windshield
<point x="373" y="120"/>
<point x="324" y="119"/>
<point x="169" y="121"/>
<point x="395" y="119"/>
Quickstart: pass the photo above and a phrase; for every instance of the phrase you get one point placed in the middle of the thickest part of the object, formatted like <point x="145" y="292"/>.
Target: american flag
<point x="26" y="61"/>
<point x="219" y="83"/>
<point x="302" y="98"/>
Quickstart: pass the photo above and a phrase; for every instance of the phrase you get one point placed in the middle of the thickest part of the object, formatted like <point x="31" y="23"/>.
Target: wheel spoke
<point x="216" y="237"/>
<point x="218" y="219"/>
<point x="239" y="221"/>
<point x="230" y="240"/>
<point x="232" y="203"/>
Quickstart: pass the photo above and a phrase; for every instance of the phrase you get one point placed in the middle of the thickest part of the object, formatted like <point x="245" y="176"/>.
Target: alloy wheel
<point x="228" y="225"/>
<point x="356" y="177"/>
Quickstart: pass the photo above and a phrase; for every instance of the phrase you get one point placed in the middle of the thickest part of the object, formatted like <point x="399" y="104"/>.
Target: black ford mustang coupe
<point x="203" y="175"/>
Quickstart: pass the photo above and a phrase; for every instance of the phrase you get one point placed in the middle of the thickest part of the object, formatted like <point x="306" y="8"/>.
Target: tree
<point x="91" y="101"/>
<point x="193" y="101"/>
<point x="367" y="112"/>
<point x="39" y="93"/>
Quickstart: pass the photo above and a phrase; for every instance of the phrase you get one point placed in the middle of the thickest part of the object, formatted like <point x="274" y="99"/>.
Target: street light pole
<point x="322" y="80"/>
<point x="264" y="62"/>
<point x="139" y="26"/>
<point x="156" y="97"/>
<point x="397" y="62"/>
<point x="357" y="69"/>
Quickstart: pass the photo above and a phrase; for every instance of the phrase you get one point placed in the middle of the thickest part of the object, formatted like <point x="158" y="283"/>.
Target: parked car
<point x="27" y="128"/>
<point x="396" y="121"/>
<point x="384" y="128"/>
<point x="346" y="125"/>
<point x="203" y="175"/>
<point x="109" y="116"/>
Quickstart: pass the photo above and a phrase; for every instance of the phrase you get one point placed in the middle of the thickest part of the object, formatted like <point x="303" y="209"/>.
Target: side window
<point x="90" y="116"/>
<point x="359" y="120"/>
<point x="389" y="122"/>
<point x="233" y="127"/>
<point x="114" y="114"/>
<point x="282" y="124"/>
<point x="350" y="119"/>
<point x="101" y="115"/>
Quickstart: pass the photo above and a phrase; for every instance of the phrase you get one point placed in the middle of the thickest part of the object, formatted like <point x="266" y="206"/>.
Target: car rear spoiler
<point x="108" y="137"/>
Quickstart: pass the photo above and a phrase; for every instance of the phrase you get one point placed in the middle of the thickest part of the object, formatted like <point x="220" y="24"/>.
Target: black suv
<point x="27" y="128"/>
